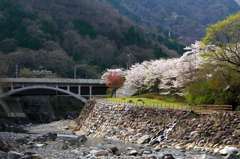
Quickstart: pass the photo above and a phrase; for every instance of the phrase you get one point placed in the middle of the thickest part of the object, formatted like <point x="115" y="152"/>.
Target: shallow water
<point x="122" y="146"/>
<point x="92" y="142"/>
<point x="14" y="129"/>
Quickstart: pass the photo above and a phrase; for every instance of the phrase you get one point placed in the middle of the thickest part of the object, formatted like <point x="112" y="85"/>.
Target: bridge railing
<point x="51" y="80"/>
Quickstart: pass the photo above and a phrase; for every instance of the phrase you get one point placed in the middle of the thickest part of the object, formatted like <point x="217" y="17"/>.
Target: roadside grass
<point x="152" y="99"/>
<point x="168" y="102"/>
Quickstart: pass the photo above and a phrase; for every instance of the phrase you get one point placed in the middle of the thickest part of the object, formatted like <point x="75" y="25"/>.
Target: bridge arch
<point x="14" y="91"/>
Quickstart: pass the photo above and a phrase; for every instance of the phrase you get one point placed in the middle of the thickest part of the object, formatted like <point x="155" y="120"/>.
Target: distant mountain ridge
<point x="187" y="18"/>
<point x="58" y="35"/>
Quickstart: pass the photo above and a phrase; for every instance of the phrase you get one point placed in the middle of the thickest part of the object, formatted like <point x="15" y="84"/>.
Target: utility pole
<point x="129" y="61"/>
<point x="16" y="71"/>
<point x="75" y="71"/>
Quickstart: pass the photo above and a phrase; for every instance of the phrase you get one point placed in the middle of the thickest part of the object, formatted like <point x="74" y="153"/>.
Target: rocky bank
<point x="179" y="129"/>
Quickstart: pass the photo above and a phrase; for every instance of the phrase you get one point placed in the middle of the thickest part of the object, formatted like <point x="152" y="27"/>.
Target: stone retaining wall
<point x="131" y="123"/>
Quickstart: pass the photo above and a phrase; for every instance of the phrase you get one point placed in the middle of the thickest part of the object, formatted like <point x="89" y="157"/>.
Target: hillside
<point x="57" y="35"/>
<point x="186" y="18"/>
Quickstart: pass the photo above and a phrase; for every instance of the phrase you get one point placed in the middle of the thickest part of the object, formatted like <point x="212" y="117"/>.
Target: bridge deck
<point x="52" y="81"/>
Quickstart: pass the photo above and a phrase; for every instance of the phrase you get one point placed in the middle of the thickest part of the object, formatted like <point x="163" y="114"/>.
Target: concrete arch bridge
<point x="15" y="87"/>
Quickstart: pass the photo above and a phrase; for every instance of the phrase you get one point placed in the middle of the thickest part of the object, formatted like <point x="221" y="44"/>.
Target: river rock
<point x="99" y="153"/>
<point x="81" y="138"/>
<point x="22" y="141"/>
<point x="29" y="153"/>
<point x="113" y="148"/>
<point x="168" y="156"/>
<point x="232" y="156"/>
<point x="190" y="146"/>
<point x="14" y="155"/>
<point x="133" y="152"/>
<point x="151" y="157"/>
<point x="216" y="140"/>
<point x="40" y="145"/>
<point x="46" y="137"/>
<point x="228" y="149"/>
<point x="117" y="153"/>
<point x="145" y="151"/>
<point x="144" y="139"/>
<point x="51" y="136"/>
<point x="35" y="156"/>
<point x="203" y="156"/>
<point x="3" y="155"/>
<point x="4" y="146"/>
<point x="65" y="146"/>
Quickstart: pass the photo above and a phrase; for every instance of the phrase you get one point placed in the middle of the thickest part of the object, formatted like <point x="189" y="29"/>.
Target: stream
<point x="93" y="142"/>
<point x="178" y="154"/>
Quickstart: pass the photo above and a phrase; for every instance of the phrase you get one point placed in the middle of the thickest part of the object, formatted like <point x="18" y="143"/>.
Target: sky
<point x="238" y="1"/>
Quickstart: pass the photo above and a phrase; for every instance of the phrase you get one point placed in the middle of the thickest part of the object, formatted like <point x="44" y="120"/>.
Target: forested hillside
<point x="43" y="36"/>
<point x="186" y="19"/>
<point x="49" y="38"/>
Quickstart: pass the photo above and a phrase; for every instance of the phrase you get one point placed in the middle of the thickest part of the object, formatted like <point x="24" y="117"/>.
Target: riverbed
<point x="76" y="149"/>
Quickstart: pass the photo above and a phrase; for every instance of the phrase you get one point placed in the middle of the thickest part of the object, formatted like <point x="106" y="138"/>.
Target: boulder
<point x="22" y="141"/>
<point x="81" y="138"/>
<point x="35" y="156"/>
<point x="14" y="155"/>
<point x="99" y="153"/>
<point x="133" y="152"/>
<point x="51" y="136"/>
<point x="145" y="151"/>
<point x="232" y="156"/>
<point x="117" y="153"/>
<point x="29" y="153"/>
<point x="4" y="146"/>
<point x="203" y="156"/>
<point x="113" y="148"/>
<point x="216" y="140"/>
<point x="228" y="149"/>
<point x="168" y="156"/>
<point x="3" y="155"/>
<point x="46" y="137"/>
<point x="151" y="157"/>
<point x="65" y="146"/>
<point x="144" y="139"/>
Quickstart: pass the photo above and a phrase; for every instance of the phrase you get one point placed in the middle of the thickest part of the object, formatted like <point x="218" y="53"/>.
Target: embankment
<point x="140" y="124"/>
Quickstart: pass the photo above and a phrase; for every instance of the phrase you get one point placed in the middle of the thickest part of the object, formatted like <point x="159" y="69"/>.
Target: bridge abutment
<point x="12" y="107"/>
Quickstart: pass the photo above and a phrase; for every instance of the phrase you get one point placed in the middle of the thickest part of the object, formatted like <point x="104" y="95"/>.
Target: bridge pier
<point x="90" y="91"/>
<point x="79" y="90"/>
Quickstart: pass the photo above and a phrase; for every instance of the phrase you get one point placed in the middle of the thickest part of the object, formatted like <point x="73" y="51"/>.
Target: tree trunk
<point x="113" y="93"/>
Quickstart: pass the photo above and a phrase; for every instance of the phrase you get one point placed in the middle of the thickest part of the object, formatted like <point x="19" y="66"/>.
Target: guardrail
<point x="142" y="103"/>
<point x="213" y="107"/>
<point x="204" y="107"/>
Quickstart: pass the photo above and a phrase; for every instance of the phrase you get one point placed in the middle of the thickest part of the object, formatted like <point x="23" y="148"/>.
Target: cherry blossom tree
<point x="167" y="74"/>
